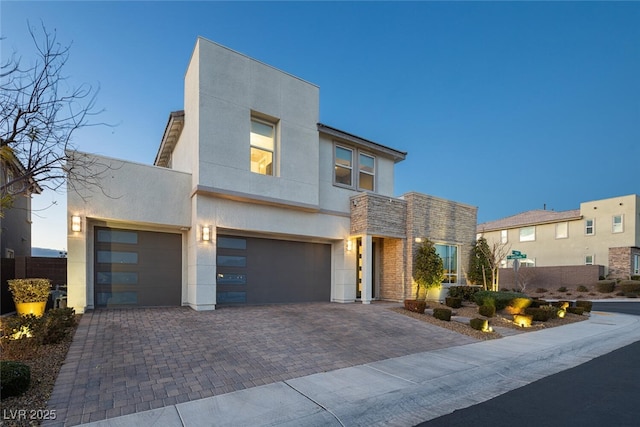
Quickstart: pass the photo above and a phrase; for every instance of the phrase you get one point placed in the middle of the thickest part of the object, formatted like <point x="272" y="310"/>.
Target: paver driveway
<point x="132" y="360"/>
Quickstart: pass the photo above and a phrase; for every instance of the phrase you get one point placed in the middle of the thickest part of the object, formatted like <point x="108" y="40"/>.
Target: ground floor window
<point x="449" y="255"/>
<point x="636" y="265"/>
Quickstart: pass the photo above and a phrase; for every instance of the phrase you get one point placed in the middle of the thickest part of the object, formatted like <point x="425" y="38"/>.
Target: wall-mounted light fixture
<point x="205" y="236"/>
<point x="76" y="223"/>
<point x="349" y="245"/>
<point x="418" y="240"/>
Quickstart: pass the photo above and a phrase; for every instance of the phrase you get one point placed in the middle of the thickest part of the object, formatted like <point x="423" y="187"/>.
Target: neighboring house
<point x="15" y="222"/>
<point x="250" y="201"/>
<point x="602" y="232"/>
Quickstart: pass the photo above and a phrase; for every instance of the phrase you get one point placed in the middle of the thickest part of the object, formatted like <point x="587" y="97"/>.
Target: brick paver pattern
<point x="123" y="361"/>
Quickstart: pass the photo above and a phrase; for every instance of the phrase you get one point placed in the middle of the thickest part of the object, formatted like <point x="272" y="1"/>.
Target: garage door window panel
<point x="117" y="257"/>
<point x="118" y="236"/>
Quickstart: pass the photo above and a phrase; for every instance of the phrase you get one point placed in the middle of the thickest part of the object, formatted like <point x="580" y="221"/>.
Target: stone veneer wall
<point x="378" y="215"/>
<point x="392" y="270"/>
<point x="620" y="262"/>
<point x="442" y="221"/>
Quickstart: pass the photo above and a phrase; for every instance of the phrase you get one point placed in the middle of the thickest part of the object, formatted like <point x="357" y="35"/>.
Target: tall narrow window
<point x="562" y="230"/>
<point x="617" y="224"/>
<point x="589" y="227"/>
<point x="504" y="236"/>
<point x="636" y="265"/>
<point x="449" y="256"/>
<point x="367" y="172"/>
<point x="344" y="166"/>
<point x="263" y="136"/>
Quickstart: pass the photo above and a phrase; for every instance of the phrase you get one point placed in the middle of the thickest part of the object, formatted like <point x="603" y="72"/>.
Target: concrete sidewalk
<point x="406" y="390"/>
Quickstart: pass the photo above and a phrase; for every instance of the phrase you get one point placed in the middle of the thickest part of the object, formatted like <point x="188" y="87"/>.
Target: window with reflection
<point x="263" y="137"/>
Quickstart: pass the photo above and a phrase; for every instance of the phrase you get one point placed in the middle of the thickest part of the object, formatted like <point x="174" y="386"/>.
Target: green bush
<point x="464" y="292"/>
<point x="575" y="310"/>
<point x="51" y="328"/>
<point x="605" y="286"/>
<point x="479" y="324"/>
<point x="453" y="302"/>
<point x="517" y="305"/>
<point x="16" y="378"/>
<point x="498" y="299"/>
<point x="585" y="305"/>
<point x="543" y="313"/>
<point x="487" y="310"/>
<point x="629" y="286"/>
<point x="442" y="314"/>
<point x="582" y="288"/>
<point x="537" y="303"/>
<point x="562" y="289"/>
<point x="635" y="277"/>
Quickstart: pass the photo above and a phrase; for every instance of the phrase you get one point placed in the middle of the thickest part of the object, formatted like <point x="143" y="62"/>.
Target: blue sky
<point x="506" y="106"/>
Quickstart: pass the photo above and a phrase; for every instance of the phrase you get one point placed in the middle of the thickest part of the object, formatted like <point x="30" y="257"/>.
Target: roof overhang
<point x="170" y="138"/>
<point x="396" y="155"/>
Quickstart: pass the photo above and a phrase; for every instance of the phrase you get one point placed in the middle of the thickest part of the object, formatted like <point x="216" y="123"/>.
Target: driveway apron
<point x="124" y="361"/>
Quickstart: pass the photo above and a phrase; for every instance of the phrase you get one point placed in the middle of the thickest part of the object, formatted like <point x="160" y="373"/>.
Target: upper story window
<point x="263" y="145"/>
<point x="617" y="224"/>
<point x="528" y="234"/>
<point x="367" y="172"/>
<point x="345" y="165"/>
<point x="589" y="227"/>
<point x="504" y="236"/>
<point x="562" y="230"/>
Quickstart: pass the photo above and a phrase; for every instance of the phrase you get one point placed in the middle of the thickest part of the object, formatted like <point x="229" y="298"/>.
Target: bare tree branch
<point x="40" y="114"/>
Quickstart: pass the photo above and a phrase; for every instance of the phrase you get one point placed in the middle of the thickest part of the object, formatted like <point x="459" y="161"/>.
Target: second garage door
<point x="265" y="271"/>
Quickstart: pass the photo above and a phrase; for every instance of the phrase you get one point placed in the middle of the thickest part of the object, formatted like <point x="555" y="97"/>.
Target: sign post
<point x="516" y="256"/>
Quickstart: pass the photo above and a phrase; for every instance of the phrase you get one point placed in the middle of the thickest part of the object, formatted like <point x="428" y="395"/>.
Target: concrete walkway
<point x="405" y="390"/>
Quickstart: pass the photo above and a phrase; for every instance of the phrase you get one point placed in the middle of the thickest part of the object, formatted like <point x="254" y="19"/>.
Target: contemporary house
<point x="251" y="200"/>
<point x="602" y="232"/>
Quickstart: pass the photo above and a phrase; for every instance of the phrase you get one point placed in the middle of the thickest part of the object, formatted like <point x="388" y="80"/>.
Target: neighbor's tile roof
<point x="534" y="217"/>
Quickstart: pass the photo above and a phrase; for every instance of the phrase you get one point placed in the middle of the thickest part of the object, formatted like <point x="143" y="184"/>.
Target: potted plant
<point x="30" y="295"/>
<point x="428" y="272"/>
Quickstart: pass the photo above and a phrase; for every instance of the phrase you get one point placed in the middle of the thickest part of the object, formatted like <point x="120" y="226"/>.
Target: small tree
<point x="479" y="265"/>
<point x="494" y="254"/>
<point x="428" y="269"/>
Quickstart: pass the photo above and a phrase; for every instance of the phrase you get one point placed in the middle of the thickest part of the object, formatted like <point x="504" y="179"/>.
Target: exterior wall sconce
<point x="418" y="239"/>
<point x="349" y="245"/>
<point x="206" y="233"/>
<point x="76" y="223"/>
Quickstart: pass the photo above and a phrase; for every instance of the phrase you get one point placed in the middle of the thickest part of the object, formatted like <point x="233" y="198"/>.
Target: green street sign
<point x="519" y="256"/>
<point x="515" y="253"/>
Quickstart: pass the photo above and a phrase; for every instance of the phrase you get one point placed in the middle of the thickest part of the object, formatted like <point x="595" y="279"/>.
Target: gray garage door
<point x="137" y="268"/>
<point x="266" y="271"/>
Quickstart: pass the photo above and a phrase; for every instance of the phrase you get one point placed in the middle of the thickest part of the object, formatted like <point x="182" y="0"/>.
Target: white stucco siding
<point x="235" y="88"/>
<point x="134" y="192"/>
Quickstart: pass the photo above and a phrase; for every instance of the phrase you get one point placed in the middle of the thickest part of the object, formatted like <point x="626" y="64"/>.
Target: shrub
<point x="453" y="302"/>
<point x="575" y="310"/>
<point x="541" y="290"/>
<point x="635" y="277"/>
<point x="51" y="328"/>
<point x="582" y="288"/>
<point x="630" y="286"/>
<point x="415" y="306"/>
<point x="487" y="310"/>
<point x="537" y="303"/>
<point x="605" y="286"/>
<point x="517" y="305"/>
<point x="561" y="304"/>
<point x="29" y="290"/>
<point x="498" y="299"/>
<point x="479" y="324"/>
<point x="585" y="305"/>
<point x="16" y="378"/>
<point x="442" y="314"/>
<point x="464" y="292"/>
<point x="543" y="313"/>
<point x="562" y="289"/>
